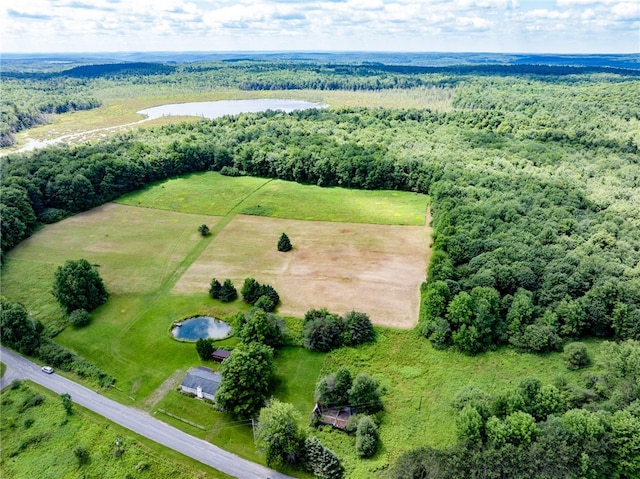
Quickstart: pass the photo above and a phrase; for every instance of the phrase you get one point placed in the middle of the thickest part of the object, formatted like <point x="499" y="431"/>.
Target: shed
<point x="220" y="355"/>
<point x="202" y="382"/>
<point x="334" y="416"/>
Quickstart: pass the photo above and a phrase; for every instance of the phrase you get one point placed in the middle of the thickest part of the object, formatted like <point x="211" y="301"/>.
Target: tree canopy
<point x="78" y="285"/>
<point x="246" y="380"/>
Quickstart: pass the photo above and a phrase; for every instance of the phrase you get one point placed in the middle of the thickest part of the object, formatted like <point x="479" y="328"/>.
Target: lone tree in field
<point x="284" y="244"/>
<point x="77" y="285"/>
<point x="204" y="230"/>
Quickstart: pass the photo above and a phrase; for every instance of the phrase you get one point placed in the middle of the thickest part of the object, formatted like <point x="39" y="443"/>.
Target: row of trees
<point x="324" y="331"/>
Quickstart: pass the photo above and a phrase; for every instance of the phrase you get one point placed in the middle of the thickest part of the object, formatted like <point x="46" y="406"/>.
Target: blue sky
<point x="545" y="26"/>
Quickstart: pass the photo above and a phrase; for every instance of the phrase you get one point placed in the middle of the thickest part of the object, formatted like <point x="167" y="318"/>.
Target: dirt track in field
<point x="374" y="269"/>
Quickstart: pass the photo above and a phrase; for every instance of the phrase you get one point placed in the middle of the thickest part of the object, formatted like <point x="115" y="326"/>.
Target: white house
<point x="202" y="382"/>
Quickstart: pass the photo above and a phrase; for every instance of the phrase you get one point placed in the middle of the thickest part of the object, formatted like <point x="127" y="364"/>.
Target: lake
<point x="216" y="109"/>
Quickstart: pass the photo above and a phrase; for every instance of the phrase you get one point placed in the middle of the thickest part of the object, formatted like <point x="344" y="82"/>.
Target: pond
<point x="201" y="327"/>
<point x="216" y="109"/>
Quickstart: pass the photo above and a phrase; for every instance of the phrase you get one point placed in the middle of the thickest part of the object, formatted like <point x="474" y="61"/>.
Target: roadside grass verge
<point x="39" y="441"/>
<point x="213" y="194"/>
<point x="420" y="383"/>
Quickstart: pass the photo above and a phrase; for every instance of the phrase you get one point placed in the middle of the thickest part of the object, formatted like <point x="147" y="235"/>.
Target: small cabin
<point x="336" y="417"/>
<point x="220" y="355"/>
<point x="201" y="382"/>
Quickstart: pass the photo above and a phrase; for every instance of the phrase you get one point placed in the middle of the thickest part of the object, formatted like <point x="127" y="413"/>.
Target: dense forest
<point x="534" y="181"/>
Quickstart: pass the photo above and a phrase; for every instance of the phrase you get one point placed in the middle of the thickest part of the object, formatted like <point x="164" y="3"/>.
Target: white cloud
<point x="70" y="25"/>
<point x="626" y="11"/>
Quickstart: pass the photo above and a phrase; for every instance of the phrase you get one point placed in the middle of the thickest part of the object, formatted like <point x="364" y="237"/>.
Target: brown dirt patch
<point x="376" y="269"/>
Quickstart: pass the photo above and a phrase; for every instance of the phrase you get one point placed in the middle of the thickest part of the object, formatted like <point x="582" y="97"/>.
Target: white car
<point x="47" y="369"/>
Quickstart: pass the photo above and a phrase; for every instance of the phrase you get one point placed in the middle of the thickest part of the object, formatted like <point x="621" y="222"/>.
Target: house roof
<point x="203" y="377"/>
<point x="221" y="353"/>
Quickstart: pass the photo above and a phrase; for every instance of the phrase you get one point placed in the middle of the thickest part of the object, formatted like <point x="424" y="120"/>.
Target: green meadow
<point x="216" y="195"/>
<point x="39" y="441"/>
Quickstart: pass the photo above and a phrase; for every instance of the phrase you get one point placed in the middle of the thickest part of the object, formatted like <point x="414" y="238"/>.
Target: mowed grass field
<point x="216" y="195"/>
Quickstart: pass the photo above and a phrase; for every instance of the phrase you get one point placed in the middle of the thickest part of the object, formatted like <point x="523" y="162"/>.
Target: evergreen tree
<point x="284" y="244"/>
<point x="228" y="291"/>
<point x="214" y="289"/>
<point x="322" y="462"/>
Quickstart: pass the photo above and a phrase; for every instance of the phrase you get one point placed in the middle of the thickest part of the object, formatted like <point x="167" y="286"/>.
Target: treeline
<point x="535" y="240"/>
<point x="28" y="97"/>
<point x="28" y="103"/>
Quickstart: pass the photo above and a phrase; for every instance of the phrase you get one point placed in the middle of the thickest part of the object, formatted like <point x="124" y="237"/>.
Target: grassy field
<point x="420" y="383"/>
<point x="200" y="193"/>
<point x="138" y="250"/>
<point x="216" y="195"/>
<point x="39" y="441"/>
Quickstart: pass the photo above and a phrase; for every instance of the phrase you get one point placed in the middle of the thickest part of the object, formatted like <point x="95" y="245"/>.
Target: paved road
<point x="136" y="420"/>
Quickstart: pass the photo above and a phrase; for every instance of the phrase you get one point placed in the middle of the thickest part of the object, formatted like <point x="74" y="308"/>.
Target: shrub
<point x="79" y="318"/>
<point x="322" y="331"/>
<point x="204" y="230"/>
<point x="357" y="329"/>
<point x="82" y="455"/>
<point x="231" y="171"/>
<point x="576" y="356"/>
<point x="265" y="304"/>
<point x="205" y="348"/>
<point x="366" y="437"/>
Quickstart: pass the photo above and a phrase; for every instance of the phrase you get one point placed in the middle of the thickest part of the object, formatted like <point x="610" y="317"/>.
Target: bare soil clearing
<point x="376" y="269"/>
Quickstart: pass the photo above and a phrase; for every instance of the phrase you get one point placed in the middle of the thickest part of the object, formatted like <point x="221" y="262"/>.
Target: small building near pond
<point x="220" y="355"/>
<point x="201" y="382"/>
